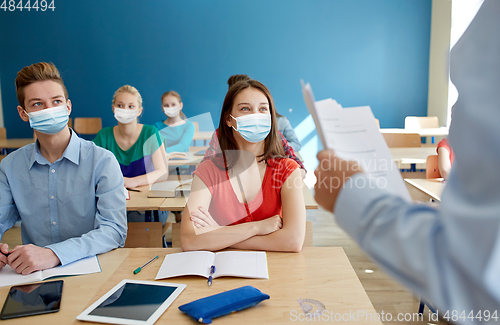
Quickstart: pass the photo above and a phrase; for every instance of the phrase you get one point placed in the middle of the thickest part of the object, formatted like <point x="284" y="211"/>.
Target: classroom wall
<point x="360" y="52"/>
<point x="439" y="61"/>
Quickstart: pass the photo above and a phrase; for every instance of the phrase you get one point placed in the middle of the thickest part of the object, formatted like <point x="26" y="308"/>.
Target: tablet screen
<point x="32" y="299"/>
<point x="134" y="301"/>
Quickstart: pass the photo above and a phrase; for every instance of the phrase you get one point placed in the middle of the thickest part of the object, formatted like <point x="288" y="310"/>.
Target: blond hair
<point x="128" y="89"/>
<point x="37" y="72"/>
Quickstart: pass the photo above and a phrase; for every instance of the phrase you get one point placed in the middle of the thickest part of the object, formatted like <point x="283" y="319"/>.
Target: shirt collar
<point x="72" y="152"/>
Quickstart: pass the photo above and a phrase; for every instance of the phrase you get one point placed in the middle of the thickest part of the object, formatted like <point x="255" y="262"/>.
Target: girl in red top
<point x="249" y="196"/>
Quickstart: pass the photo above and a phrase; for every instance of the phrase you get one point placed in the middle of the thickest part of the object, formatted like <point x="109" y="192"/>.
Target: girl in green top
<point x="137" y="147"/>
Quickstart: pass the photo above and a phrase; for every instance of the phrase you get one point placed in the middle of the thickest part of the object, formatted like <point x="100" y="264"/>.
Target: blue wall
<point x="360" y="52"/>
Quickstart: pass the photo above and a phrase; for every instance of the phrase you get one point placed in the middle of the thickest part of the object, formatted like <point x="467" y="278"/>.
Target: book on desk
<point x="170" y="188"/>
<point x="9" y="276"/>
<point x="230" y="263"/>
<point x="177" y="155"/>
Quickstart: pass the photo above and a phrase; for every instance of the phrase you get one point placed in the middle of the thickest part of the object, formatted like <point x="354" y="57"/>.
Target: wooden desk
<point x="139" y="201"/>
<point x="431" y="132"/>
<point x="427" y="189"/>
<point x="406" y="157"/>
<point x="15" y="143"/>
<point x="191" y="161"/>
<point x="320" y="273"/>
<point x="203" y="135"/>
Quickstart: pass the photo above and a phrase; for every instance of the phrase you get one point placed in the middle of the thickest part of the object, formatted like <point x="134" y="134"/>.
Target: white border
<point x="153" y="318"/>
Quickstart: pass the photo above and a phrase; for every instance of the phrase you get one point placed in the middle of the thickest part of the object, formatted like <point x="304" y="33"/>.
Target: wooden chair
<point x="3" y="135"/>
<point x="402" y="140"/>
<point x="176" y="235"/>
<point x="87" y="125"/>
<point x="145" y="234"/>
<point x="432" y="167"/>
<point x="421" y="122"/>
<point x="196" y="129"/>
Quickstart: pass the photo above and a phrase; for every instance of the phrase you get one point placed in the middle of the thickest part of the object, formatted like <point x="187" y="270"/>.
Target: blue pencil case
<point x="205" y="309"/>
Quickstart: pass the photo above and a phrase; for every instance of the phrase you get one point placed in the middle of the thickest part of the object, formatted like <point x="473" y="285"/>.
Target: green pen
<point x="137" y="270"/>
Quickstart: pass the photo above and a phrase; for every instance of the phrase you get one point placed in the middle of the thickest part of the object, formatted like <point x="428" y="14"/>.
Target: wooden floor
<point x="387" y="296"/>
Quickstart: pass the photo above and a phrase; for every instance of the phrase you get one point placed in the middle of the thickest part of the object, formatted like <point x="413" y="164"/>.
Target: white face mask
<point x="171" y="111"/>
<point x="125" y="116"/>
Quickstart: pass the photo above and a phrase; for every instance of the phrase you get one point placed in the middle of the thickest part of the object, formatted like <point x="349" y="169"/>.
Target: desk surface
<point x="192" y="159"/>
<point x="431" y="132"/>
<point x="320" y="273"/>
<point x="417" y="155"/>
<point x="15" y="143"/>
<point x="203" y="135"/>
<point x="432" y="188"/>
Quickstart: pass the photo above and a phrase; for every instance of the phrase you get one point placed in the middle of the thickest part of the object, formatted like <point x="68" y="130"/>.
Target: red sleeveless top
<point x="225" y="207"/>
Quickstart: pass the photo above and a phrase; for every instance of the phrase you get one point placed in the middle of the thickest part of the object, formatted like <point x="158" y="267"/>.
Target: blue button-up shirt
<point x="75" y="206"/>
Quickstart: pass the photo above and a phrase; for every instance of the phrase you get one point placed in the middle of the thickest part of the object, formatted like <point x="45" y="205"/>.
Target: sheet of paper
<point x="353" y="134"/>
<point x="9" y="277"/>
<point x="186" y="263"/>
<point x="241" y="264"/>
<point x="84" y="266"/>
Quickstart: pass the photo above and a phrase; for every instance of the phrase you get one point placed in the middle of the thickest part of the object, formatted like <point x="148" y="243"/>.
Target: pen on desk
<point x="137" y="270"/>
<point x="133" y="190"/>
<point x="212" y="271"/>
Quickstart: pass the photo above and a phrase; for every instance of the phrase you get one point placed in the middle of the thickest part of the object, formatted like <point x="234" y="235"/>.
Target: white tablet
<point x="133" y="302"/>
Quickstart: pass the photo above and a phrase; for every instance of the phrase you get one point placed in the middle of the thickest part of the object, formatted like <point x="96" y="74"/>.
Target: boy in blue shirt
<point x="67" y="191"/>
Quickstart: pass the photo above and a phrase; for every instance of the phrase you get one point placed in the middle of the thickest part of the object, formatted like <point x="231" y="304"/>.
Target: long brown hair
<point x="273" y="147"/>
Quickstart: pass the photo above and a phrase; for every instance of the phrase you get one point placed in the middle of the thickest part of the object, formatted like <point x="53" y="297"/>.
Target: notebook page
<point x="9" y="277"/>
<point x="84" y="266"/>
<point x="241" y="264"/>
<point x="186" y="263"/>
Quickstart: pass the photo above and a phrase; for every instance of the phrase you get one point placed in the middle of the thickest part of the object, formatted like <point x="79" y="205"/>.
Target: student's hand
<point x="331" y="174"/>
<point x="26" y="259"/>
<point x="269" y="225"/>
<point x="129" y="182"/>
<point x="202" y="218"/>
<point x="4" y="250"/>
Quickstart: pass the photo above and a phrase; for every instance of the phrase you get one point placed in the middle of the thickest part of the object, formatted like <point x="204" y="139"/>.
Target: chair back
<point x="145" y="234"/>
<point x="3" y="133"/>
<point x="87" y="125"/>
<point x="432" y="167"/>
<point x="402" y="140"/>
<point x="196" y="126"/>
<point x="421" y="122"/>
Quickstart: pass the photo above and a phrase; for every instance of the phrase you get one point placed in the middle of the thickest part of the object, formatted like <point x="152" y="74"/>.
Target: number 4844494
<point x="12" y="5"/>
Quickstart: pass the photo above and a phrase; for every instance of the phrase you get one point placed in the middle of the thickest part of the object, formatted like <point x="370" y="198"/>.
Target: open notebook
<point x="9" y="277"/>
<point x="237" y="264"/>
<point x="170" y="188"/>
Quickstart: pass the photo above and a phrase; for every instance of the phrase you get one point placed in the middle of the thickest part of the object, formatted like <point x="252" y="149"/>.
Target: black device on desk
<point x="32" y="299"/>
